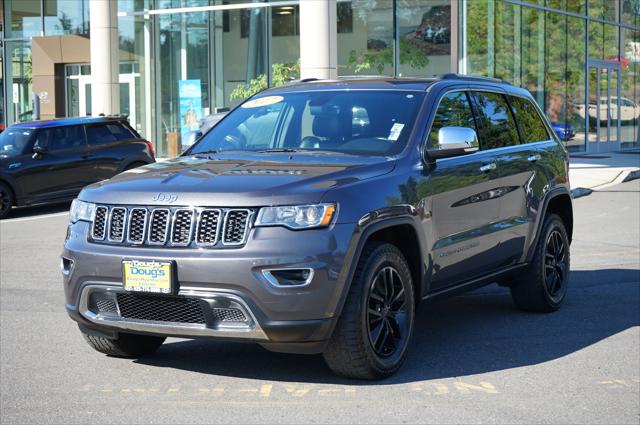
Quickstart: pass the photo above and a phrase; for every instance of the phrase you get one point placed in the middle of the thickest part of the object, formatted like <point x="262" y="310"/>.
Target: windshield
<point x="354" y="122"/>
<point x="14" y="141"/>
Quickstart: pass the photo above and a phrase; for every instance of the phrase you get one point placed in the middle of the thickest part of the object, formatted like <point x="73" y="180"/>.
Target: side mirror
<point x="198" y="135"/>
<point x="454" y="141"/>
<point x="39" y="151"/>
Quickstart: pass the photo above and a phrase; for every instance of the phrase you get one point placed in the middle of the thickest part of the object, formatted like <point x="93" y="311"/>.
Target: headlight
<point x="81" y="210"/>
<point x="297" y="216"/>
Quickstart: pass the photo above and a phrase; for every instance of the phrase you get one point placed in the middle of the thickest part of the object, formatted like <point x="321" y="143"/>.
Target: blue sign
<point x="190" y="110"/>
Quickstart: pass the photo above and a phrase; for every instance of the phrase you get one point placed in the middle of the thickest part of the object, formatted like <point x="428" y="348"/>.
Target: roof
<point x="363" y="83"/>
<point x="381" y="83"/>
<point x="65" y="121"/>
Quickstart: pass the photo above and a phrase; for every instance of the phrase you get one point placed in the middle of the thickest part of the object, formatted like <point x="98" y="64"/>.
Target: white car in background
<point x="627" y="111"/>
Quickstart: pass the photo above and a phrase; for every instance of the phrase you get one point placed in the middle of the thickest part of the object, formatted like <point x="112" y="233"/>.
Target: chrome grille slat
<point x="208" y="226"/>
<point x="182" y="226"/>
<point x="235" y="226"/>
<point x="137" y="225"/>
<point x="99" y="227"/>
<point x="164" y="226"/>
<point x="117" y="221"/>
<point x="159" y="226"/>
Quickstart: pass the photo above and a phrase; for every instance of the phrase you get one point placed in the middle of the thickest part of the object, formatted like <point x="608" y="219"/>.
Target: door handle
<point x="488" y="167"/>
<point x="534" y="158"/>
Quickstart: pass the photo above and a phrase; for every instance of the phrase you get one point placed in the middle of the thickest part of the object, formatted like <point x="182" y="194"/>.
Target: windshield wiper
<point x="279" y="150"/>
<point x="207" y="152"/>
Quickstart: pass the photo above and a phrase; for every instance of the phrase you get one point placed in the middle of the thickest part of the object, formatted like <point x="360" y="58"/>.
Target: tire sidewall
<point x="554" y="223"/>
<point x="385" y="257"/>
<point x="5" y="190"/>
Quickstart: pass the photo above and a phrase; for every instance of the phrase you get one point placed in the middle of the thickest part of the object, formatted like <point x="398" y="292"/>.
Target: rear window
<point x="108" y="132"/>
<point x="532" y="129"/>
<point x="496" y="127"/>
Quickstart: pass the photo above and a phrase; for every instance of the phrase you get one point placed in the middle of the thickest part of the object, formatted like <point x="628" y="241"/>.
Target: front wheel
<point x="125" y="344"/>
<point x="374" y="330"/>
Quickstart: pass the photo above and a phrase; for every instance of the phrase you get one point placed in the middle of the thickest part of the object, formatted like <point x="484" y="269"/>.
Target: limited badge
<point x="262" y="101"/>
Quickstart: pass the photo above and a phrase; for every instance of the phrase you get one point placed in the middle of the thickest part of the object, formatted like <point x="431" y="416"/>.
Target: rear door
<point x="461" y="203"/>
<point x="513" y="174"/>
<point x="63" y="170"/>
<point x="109" y="144"/>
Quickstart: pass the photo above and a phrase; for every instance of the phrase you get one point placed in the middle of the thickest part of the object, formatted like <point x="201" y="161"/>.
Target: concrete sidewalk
<point x="589" y="172"/>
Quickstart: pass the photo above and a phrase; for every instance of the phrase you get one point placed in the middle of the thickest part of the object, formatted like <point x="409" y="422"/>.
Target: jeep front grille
<point x="171" y="227"/>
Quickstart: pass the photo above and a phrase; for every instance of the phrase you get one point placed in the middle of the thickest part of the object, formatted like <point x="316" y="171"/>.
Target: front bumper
<point x="292" y="319"/>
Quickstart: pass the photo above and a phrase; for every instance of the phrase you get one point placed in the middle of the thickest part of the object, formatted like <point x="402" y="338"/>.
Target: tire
<point x="6" y="200"/>
<point x="363" y="345"/>
<point x="542" y="287"/>
<point x="125" y="345"/>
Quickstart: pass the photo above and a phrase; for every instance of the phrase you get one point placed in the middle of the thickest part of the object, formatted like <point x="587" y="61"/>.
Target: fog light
<point x="288" y="277"/>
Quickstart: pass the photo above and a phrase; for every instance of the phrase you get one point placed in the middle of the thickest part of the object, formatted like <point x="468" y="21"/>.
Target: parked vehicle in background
<point x="51" y="161"/>
<point x="627" y="111"/>
<point x="564" y="131"/>
<point x="316" y="216"/>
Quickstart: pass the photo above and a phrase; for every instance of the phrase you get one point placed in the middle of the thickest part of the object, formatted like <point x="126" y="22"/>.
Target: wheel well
<point x="404" y="238"/>
<point x="11" y="190"/>
<point x="561" y="205"/>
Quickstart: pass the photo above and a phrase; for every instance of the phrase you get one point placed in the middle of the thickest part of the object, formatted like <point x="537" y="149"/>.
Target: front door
<point x="459" y="196"/>
<point x="604" y="107"/>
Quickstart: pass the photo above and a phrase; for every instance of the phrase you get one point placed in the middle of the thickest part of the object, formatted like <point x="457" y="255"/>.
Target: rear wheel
<point x="543" y="286"/>
<point x="374" y="330"/>
<point x="125" y="345"/>
<point x="6" y="200"/>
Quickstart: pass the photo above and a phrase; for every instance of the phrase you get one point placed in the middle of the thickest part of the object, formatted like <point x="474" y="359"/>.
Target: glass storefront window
<point x="135" y="66"/>
<point x="425" y="37"/>
<point x="603" y="41"/>
<point x="19" y="75"/>
<point x="630" y="90"/>
<point x="63" y="17"/>
<point x="631" y="12"/>
<point x="604" y="9"/>
<point x="369" y="49"/>
<point x="23" y="18"/>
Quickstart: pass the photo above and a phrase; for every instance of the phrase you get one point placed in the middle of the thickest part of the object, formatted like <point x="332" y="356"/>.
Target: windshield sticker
<point x="262" y="101"/>
<point x="394" y="134"/>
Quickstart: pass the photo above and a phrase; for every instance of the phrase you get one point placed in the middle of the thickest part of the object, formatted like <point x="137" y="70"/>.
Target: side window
<point x="496" y="124"/>
<point x="453" y="111"/>
<point x="120" y="131"/>
<point x="98" y="134"/>
<point x="532" y="128"/>
<point x="60" y="138"/>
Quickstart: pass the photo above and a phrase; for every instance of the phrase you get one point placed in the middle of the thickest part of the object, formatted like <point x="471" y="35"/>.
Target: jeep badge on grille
<point x="165" y="197"/>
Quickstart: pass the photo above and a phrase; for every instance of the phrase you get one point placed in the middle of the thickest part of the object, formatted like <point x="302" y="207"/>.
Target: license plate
<point x="147" y="276"/>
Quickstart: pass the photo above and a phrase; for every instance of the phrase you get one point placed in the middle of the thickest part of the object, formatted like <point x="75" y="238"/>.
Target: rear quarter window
<point x="532" y="129"/>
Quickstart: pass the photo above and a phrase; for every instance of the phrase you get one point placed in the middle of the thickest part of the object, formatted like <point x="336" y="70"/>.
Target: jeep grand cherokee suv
<point x="314" y="217"/>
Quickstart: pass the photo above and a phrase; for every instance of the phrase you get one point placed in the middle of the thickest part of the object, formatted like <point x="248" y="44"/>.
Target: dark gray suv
<point x="314" y="217"/>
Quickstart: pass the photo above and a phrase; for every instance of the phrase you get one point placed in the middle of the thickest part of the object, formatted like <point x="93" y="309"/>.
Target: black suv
<point x="314" y="217"/>
<point x="51" y="161"/>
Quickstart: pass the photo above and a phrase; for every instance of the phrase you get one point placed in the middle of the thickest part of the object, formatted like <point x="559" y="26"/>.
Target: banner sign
<point x="190" y="109"/>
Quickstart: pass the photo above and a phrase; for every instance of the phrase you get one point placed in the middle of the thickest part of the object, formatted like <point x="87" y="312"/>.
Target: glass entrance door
<point x="603" y="108"/>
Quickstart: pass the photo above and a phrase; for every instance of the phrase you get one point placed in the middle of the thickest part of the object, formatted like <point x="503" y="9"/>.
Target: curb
<point x="580" y="191"/>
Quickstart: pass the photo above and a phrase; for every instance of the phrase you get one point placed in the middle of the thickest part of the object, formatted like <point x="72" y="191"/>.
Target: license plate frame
<point x="149" y="283"/>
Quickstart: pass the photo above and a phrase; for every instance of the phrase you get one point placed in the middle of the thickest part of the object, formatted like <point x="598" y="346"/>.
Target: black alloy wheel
<point x="387" y="314"/>
<point x="555" y="264"/>
<point x="6" y="200"/>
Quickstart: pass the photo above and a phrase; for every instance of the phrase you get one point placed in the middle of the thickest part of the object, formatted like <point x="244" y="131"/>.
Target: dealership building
<point x="167" y="63"/>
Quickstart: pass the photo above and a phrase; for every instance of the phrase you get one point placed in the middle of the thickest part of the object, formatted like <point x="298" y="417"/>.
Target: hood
<point x="243" y="180"/>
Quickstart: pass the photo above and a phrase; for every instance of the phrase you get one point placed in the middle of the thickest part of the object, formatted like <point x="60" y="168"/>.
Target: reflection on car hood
<point x="239" y="180"/>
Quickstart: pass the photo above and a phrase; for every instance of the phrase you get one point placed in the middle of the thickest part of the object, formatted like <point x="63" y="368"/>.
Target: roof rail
<point x="303" y="80"/>
<point x="454" y="76"/>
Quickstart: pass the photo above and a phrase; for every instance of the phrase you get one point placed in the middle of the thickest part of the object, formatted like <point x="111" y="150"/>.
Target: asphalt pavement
<point x="474" y="358"/>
